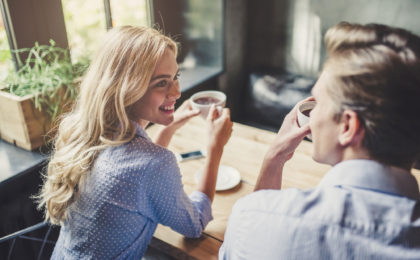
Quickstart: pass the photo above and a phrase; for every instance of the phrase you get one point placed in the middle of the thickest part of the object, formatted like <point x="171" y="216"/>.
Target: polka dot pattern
<point x="130" y="189"/>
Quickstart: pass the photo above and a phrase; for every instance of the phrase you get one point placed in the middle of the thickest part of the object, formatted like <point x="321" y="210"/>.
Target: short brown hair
<point x="375" y="71"/>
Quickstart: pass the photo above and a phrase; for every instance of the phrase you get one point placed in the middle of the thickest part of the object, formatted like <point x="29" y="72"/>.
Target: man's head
<point x="371" y="79"/>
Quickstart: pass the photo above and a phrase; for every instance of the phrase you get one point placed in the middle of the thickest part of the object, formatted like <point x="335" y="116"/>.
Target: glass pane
<point x="85" y="25"/>
<point x="5" y="55"/>
<point x="204" y="33"/>
<point x="129" y="12"/>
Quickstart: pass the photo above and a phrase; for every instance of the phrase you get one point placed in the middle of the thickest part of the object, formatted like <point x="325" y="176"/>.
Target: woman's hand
<point x="284" y="145"/>
<point x="181" y="116"/>
<point x="219" y="127"/>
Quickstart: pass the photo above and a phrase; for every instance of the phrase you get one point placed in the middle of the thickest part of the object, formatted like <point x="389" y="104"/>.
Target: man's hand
<point x="284" y="145"/>
<point x="289" y="136"/>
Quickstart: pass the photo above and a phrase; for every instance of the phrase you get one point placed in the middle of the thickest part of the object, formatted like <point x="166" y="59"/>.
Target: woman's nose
<point x="174" y="90"/>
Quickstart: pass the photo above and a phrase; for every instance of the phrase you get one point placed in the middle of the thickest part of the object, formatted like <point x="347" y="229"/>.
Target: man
<point x="366" y="124"/>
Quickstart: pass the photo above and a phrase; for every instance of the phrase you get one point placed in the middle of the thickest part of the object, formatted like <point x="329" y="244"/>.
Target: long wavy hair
<point x="118" y="76"/>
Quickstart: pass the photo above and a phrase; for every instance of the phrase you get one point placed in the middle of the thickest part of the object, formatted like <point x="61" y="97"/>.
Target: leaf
<point x="46" y="70"/>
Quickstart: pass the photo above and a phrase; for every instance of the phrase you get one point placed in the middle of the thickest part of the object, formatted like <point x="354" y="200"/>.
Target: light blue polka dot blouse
<point x="130" y="189"/>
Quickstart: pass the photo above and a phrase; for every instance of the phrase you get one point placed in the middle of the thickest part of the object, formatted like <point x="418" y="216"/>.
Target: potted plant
<point x="32" y="97"/>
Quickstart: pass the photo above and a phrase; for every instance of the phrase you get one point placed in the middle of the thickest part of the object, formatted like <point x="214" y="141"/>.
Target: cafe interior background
<point x="265" y="55"/>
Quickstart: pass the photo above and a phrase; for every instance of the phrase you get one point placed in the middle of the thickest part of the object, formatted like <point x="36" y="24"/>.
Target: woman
<point x="108" y="185"/>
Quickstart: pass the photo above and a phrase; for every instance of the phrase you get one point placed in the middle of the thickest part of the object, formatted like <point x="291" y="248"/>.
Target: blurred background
<point x="265" y="55"/>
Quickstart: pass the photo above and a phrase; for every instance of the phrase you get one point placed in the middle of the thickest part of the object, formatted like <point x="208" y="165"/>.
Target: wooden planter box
<point x="21" y="123"/>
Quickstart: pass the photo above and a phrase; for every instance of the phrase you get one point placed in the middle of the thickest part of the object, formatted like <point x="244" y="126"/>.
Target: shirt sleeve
<point x="171" y="206"/>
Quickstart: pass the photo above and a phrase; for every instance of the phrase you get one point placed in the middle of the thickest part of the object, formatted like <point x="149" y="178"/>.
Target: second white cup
<point x="303" y="114"/>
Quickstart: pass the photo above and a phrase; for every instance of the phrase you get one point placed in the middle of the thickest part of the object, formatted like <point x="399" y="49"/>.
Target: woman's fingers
<point x="192" y="113"/>
<point x="222" y="113"/>
<point x="213" y="113"/>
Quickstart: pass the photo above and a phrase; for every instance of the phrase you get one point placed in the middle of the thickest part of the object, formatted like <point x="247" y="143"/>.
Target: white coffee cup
<point x="204" y="99"/>
<point x="303" y="114"/>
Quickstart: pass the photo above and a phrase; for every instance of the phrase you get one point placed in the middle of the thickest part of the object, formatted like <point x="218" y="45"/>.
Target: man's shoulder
<point x="332" y="205"/>
<point x="318" y="220"/>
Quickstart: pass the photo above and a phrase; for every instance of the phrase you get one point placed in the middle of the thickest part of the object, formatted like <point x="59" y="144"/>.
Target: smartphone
<point x="190" y="155"/>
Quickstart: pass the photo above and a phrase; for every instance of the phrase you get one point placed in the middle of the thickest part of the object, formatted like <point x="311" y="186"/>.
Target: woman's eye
<point x="161" y="83"/>
<point x="177" y="76"/>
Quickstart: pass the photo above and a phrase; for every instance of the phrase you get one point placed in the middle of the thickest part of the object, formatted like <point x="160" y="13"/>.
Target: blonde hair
<point x="117" y="77"/>
<point x="374" y="70"/>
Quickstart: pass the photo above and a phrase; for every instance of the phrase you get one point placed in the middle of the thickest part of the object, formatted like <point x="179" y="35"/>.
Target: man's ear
<point x="351" y="132"/>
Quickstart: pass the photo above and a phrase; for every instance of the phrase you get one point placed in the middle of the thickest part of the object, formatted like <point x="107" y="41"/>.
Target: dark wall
<point x="268" y="31"/>
<point x="234" y="78"/>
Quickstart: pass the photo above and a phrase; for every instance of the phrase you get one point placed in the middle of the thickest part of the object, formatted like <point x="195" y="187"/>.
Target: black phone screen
<point x="191" y="154"/>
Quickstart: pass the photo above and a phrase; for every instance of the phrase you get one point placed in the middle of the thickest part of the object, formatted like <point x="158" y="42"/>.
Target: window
<point x="5" y="55"/>
<point x="86" y="21"/>
<point x="85" y="25"/>
<point x="203" y="41"/>
<point x="198" y="26"/>
<point x="203" y="30"/>
<point x="132" y="12"/>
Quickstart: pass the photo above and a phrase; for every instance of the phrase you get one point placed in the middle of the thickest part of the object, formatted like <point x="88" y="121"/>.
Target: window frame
<point x="10" y="37"/>
<point x="22" y="18"/>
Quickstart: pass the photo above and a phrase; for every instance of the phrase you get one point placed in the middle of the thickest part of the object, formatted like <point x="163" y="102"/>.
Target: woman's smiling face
<point x="158" y="103"/>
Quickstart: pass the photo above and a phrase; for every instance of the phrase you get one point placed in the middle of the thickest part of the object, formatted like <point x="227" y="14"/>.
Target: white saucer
<point x="227" y="178"/>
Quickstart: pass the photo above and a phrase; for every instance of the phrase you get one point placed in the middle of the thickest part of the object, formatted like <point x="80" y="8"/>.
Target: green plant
<point x="48" y="75"/>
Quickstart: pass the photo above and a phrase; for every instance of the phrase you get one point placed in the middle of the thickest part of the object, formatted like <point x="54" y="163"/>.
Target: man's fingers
<point x="304" y="131"/>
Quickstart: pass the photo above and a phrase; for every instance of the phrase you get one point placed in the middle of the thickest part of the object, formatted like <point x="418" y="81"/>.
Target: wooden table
<point x="244" y="151"/>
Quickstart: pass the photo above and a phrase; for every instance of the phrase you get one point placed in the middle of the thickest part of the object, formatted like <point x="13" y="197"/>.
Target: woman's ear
<point x="351" y="132"/>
